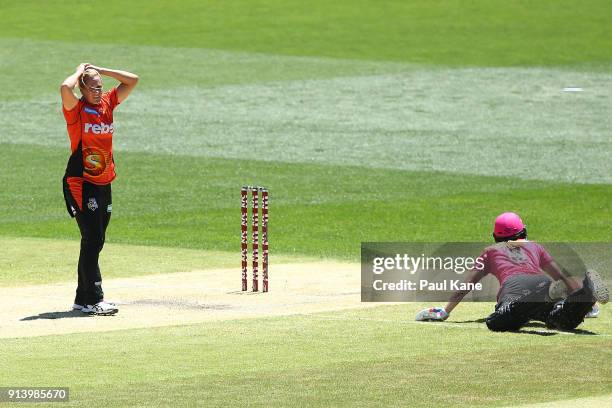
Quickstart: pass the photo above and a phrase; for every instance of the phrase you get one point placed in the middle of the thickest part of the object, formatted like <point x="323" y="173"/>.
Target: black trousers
<point x="525" y="297"/>
<point x="93" y="219"/>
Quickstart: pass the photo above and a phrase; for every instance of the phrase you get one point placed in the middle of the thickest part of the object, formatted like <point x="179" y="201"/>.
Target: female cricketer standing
<point x="90" y="171"/>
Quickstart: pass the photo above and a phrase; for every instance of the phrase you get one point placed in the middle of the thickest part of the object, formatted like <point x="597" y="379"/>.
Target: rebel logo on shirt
<point x="99" y="128"/>
<point x="94" y="161"/>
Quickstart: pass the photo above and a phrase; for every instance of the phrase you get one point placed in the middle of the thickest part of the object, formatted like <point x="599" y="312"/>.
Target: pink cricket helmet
<point x="507" y="225"/>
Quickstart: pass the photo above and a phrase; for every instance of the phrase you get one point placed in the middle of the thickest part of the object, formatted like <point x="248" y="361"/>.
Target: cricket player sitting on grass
<point x="526" y="292"/>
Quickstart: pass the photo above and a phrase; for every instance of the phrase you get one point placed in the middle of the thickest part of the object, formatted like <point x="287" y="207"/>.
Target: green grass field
<point x="350" y="358"/>
<point x="368" y="121"/>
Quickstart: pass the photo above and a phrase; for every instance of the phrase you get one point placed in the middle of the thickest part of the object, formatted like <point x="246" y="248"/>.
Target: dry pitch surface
<point x="182" y="298"/>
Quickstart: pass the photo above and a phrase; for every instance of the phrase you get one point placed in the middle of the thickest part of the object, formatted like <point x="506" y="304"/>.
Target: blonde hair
<point x="88" y="74"/>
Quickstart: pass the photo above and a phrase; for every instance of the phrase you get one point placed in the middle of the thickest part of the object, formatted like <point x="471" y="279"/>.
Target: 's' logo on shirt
<point x="94" y="161"/>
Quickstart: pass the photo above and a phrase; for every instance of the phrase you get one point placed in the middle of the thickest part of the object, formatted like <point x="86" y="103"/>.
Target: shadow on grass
<point x="535" y="324"/>
<point x="575" y="331"/>
<point x="536" y="332"/>
<point x="471" y="321"/>
<point x="56" y="315"/>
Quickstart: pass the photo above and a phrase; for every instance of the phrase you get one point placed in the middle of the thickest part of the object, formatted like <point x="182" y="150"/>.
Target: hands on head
<point x="90" y="66"/>
<point x="85" y="66"/>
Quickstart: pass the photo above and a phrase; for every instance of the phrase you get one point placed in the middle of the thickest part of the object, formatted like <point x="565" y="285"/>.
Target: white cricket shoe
<point x="100" y="309"/>
<point x="76" y="306"/>
<point x="594" y="312"/>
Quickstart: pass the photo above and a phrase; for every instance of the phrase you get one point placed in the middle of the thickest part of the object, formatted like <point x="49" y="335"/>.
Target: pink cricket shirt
<point x="506" y="259"/>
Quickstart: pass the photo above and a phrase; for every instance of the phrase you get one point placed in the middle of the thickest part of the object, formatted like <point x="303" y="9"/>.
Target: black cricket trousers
<point x="525" y="297"/>
<point x="92" y="219"/>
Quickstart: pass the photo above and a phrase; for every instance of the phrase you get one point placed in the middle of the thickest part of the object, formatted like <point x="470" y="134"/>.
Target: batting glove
<point x="432" y="314"/>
